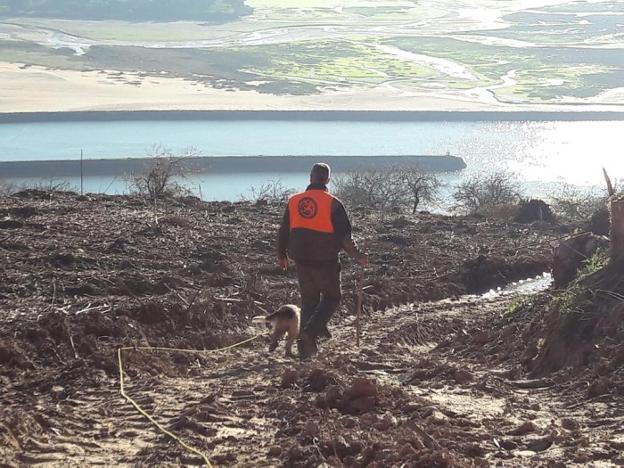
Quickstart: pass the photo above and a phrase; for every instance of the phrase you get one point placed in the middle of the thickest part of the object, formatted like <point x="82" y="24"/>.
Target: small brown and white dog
<point x="284" y="321"/>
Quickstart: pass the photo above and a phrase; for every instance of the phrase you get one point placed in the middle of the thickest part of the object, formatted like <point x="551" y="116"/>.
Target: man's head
<point x="320" y="174"/>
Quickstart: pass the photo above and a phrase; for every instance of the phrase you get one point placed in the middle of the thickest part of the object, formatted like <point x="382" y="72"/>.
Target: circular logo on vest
<point x="307" y="208"/>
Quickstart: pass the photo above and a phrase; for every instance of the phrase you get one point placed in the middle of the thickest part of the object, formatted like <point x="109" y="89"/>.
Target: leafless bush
<point x="50" y="185"/>
<point x="575" y="204"/>
<point x="485" y="194"/>
<point x="46" y="187"/>
<point x="273" y="191"/>
<point x="7" y="188"/>
<point x="387" y="189"/>
<point x="379" y="190"/>
<point x="421" y="186"/>
<point x="358" y="189"/>
<point x="158" y="179"/>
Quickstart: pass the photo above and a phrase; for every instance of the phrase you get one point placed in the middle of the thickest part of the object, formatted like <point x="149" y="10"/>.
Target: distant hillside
<point x="135" y="10"/>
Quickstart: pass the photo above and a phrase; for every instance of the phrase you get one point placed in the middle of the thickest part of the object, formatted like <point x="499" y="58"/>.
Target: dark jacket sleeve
<point x="340" y="220"/>
<point x="342" y="228"/>
<point x="283" y="235"/>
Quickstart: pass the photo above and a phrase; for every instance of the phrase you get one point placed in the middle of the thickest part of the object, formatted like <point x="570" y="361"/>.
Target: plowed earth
<point x="438" y="380"/>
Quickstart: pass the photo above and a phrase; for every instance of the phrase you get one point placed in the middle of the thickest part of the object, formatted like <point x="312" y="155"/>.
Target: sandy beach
<point x="38" y="89"/>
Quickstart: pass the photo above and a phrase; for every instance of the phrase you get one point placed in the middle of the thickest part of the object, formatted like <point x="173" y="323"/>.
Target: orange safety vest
<point x="311" y="210"/>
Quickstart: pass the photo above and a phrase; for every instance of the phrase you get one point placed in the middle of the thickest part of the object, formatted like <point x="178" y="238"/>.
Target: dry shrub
<point x="576" y="204"/>
<point x="487" y="194"/>
<point x="158" y="178"/>
<point x="357" y="189"/>
<point x="387" y="189"/>
<point x="421" y="186"/>
<point x="7" y="188"/>
<point x="273" y="191"/>
<point x="50" y="185"/>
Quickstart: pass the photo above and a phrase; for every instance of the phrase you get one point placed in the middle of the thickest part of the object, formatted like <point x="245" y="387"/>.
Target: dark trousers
<point x="320" y="296"/>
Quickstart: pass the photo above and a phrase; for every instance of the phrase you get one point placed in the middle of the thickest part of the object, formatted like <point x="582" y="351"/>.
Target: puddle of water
<point x="522" y="287"/>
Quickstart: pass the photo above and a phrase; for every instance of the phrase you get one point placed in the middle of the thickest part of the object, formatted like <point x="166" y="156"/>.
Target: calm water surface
<point x="543" y="154"/>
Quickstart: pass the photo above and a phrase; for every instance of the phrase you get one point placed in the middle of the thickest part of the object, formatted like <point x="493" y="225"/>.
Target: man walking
<point x="314" y="230"/>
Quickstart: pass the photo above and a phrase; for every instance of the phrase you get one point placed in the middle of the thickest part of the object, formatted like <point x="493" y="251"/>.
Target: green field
<point x="536" y="68"/>
<point x="340" y="63"/>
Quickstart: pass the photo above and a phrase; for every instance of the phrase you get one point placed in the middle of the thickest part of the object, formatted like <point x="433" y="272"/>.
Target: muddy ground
<point x="441" y="378"/>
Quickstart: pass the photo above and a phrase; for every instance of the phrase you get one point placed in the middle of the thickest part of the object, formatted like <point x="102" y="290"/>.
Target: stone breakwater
<point x="228" y="164"/>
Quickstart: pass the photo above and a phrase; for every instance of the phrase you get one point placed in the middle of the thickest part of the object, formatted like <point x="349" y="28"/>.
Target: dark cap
<point x="320" y="173"/>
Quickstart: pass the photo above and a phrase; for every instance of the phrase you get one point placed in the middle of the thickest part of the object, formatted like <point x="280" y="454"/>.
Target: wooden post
<point x="616" y="214"/>
<point x="81" y="174"/>
<point x="610" y="189"/>
<point x="358" y="307"/>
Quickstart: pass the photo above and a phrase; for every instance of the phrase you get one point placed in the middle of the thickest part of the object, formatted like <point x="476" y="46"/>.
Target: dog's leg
<point x="276" y="336"/>
<point x="293" y="334"/>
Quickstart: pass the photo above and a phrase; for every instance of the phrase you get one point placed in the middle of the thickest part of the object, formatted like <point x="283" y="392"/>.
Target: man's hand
<point x="363" y="260"/>
<point x="282" y="262"/>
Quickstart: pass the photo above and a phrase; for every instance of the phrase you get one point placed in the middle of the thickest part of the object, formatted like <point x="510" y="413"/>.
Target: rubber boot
<point x="306" y="346"/>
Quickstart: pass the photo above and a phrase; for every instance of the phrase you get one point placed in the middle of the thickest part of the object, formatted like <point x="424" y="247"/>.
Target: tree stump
<point x="616" y="214"/>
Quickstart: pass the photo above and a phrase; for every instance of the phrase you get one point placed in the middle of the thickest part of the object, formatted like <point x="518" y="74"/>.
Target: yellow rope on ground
<point x="148" y="416"/>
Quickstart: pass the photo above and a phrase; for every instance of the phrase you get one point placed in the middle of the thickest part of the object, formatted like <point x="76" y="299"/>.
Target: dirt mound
<point x="365" y="431"/>
<point x="600" y="223"/>
<point x="534" y="210"/>
<point x="571" y="338"/>
<point x="574" y="252"/>
<point x="584" y="329"/>
<point x="12" y="356"/>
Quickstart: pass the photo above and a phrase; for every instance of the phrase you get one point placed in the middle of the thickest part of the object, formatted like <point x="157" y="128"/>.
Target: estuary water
<point x="543" y="154"/>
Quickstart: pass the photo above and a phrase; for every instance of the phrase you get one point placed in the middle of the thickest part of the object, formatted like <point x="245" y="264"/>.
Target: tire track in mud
<point x="93" y="427"/>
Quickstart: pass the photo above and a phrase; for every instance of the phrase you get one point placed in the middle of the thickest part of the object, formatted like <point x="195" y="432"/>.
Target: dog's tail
<point x="286" y="312"/>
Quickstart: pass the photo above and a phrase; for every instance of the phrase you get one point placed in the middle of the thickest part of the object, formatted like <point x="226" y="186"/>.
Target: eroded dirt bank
<point x="434" y="384"/>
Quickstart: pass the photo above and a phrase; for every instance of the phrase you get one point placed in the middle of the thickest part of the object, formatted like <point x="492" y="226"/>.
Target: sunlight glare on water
<point x="544" y="154"/>
<point x="565" y="151"/>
